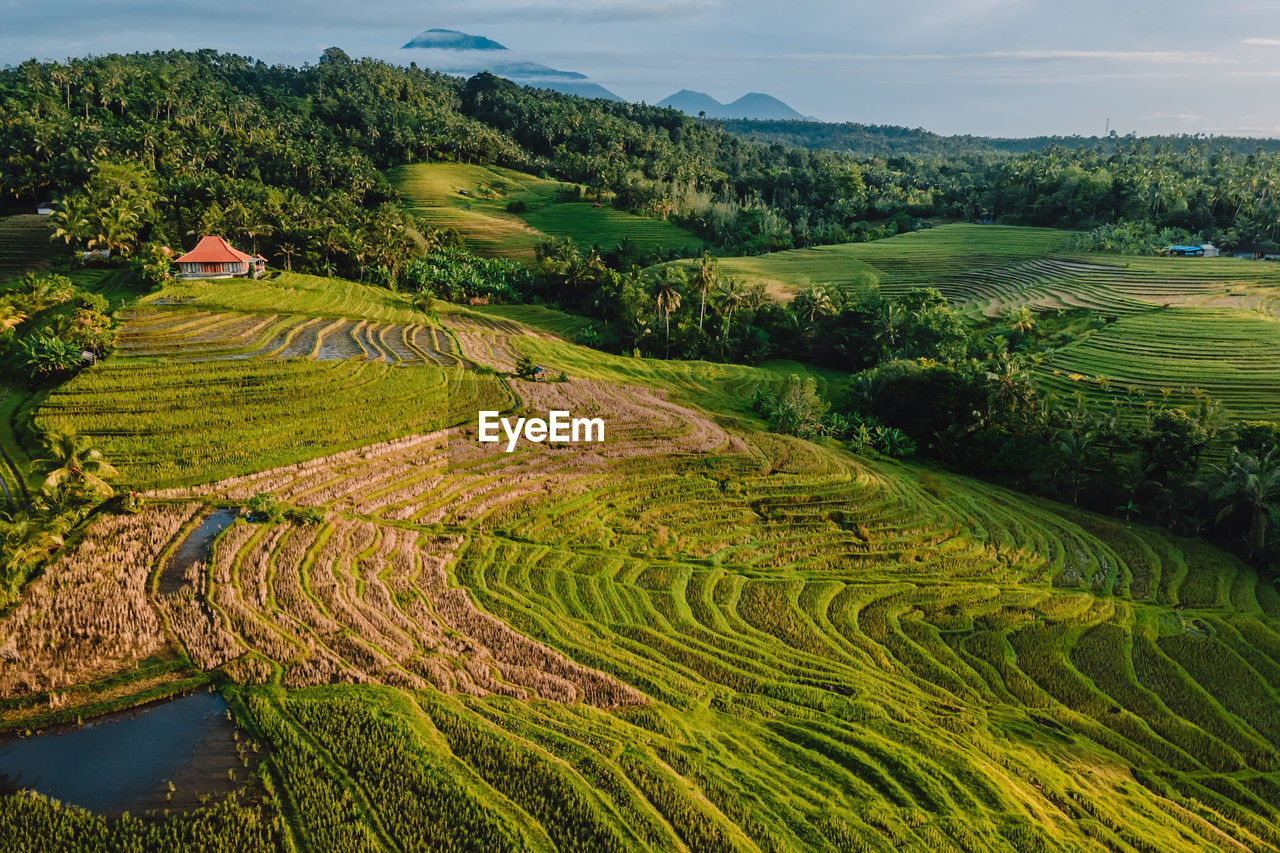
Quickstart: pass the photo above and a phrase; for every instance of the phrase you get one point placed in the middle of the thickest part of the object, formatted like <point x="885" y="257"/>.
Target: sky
<point x="987" y="67"/>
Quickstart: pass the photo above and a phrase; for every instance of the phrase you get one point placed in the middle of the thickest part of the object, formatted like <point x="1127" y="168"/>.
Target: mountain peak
<point x="753" y="105"/>
<point x="439" y="39"/>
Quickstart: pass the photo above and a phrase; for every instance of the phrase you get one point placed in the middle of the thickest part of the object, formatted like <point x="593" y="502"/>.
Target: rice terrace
<point x="906" y="528"/>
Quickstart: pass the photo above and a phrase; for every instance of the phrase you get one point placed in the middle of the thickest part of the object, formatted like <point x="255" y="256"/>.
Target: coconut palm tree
<point x="730" y="298"/>
<point x="1250" y="484"/>
<point x="72" y="460"/>
<point x="667" y="299"/>
<point x="70" y="220"/>
<point x="23" y="540"/>
<point x="814" y="302"/>
<point x="117" y="229"/>
<point x="891" y="326"/>
<point x="704" y="278"/>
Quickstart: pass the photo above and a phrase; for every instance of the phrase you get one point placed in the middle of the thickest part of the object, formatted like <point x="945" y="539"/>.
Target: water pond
<point x="129" y="761"/>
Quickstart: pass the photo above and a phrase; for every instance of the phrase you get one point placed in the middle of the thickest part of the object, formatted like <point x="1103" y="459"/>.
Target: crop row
<point x="190" y="335"/>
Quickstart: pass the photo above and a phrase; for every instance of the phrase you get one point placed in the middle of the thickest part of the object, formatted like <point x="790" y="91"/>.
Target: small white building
<point x="1210" y="250"/>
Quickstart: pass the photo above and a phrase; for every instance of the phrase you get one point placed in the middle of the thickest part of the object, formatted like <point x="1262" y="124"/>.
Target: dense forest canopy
<point x="869" y="140"/>
<point x="152" y="149"/>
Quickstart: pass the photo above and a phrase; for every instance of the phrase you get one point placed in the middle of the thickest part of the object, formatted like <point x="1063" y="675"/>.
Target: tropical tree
<point x="1022" y="320"/>
<point x="44" y="354"/>
<point x="71" y="461"/>
<point x="667" y="298"/>
<point x="730" y="298"/>
<point x="1251" y="486"/>
<point x="891" y="323"/>
<point x="24" y="539"/>
<point x="1074" y="450"/>
<point x="71" y="220"/>
<point x="704" y="278"/>
<point x="116" y="230"/>
<point x="813" y="302"/>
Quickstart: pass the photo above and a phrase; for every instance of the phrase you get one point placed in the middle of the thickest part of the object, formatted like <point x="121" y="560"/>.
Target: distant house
<point x="1180" y="251"/>
<point x="214" y="257"/>
<point x="1254" y="253"/>
<point x="44" y="208"/>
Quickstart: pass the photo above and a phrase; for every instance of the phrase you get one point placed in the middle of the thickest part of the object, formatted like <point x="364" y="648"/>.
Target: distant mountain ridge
<point x="753" y="105"/>
<point x="470" y="54"/>
<point x="439" y="39"/>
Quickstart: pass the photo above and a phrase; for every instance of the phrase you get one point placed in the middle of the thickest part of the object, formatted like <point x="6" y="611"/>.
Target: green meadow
<point x="474" y="200"/>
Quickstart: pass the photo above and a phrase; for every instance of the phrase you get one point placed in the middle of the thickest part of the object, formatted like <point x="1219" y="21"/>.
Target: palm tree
<point x="667" y="298"/>
<point x="23" y="540"/>
<point x="815" y="302"/>
<point x="72" y="460"/>
<point x="117" y="228"/>
<point x="1074" y="447"/>
<point x="704" y="277"/>
<point x="70" y="219"/>
<point x="1251" y="485"/>
<point x="891" y="326"/>
<point x="730" y="298"/>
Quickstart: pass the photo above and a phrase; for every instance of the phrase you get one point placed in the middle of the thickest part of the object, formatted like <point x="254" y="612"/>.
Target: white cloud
<point x="1257" y="42"/>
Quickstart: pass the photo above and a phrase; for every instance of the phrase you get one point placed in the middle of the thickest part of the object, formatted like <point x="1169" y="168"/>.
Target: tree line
<point x="157" y="149"/>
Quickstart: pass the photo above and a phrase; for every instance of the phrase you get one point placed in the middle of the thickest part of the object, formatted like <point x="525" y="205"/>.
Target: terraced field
<point x="695" y="636"/>
<point x="24" y="244"/>
<point x="920" y="258"/>
<point x="474" y="199"/>
<point x="183" y="422"/>
<point x="1176" y="324"/>
<point x="194" y="335"/>
<point x="990" y="269"/>
<point x="928" y="662"/>
<point x="1168" y="353"/>
<point x="290" y="293"/>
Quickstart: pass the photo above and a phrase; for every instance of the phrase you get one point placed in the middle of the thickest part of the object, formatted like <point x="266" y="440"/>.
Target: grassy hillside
<point x="474" y="200"/>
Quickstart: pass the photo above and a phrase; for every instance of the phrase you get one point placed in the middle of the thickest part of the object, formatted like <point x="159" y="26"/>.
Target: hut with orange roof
<point x="214" y="257"/>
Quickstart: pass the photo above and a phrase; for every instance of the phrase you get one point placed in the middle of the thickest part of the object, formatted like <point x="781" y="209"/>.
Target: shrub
<point x="263" y="508"/>
<point x="43" y="355"/>
<point x="526" y="369"/>
<point x="796" y="409"/>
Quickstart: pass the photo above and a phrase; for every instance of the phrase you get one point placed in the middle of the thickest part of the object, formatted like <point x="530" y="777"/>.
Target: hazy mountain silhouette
<point x="753" y="105"/>
<point x="452" y="40"/>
